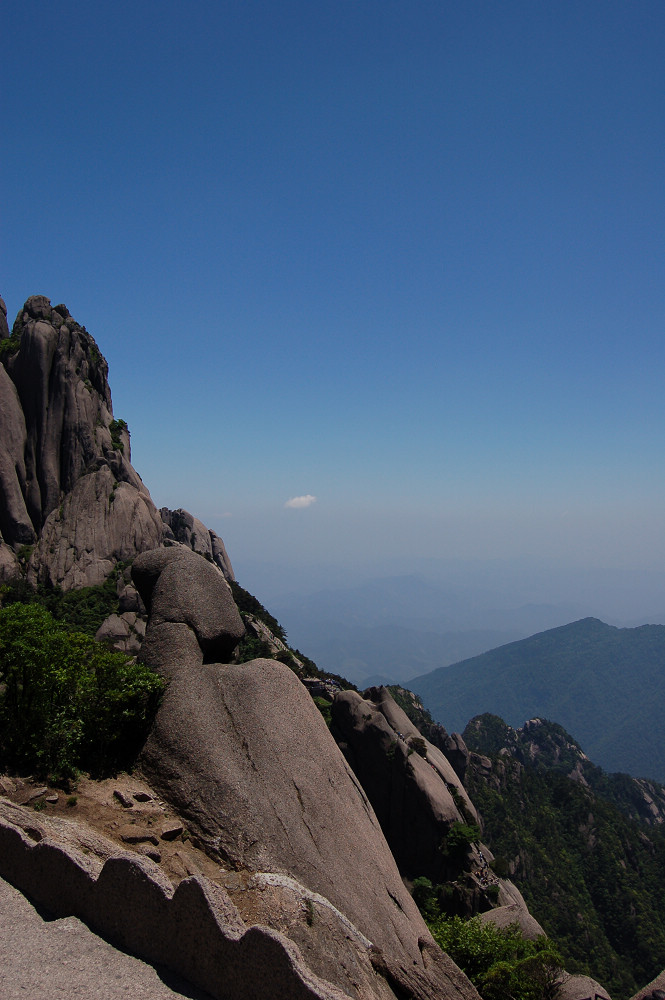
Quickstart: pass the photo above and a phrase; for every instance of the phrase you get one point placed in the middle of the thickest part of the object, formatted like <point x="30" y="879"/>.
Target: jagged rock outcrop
<point x="546" y="746"/>
<point x="189" y="531"/>
<point x="244" y="754"/>
<point x="416" y="797"/>
<point x="72" y="505"/>
<point x="61" y="382"/>
<point x="452" y="745"/>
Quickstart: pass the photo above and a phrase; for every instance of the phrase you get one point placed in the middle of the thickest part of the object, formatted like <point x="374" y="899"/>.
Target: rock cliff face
<point x="546" y="746"/>
<point x="72" y="504"/>
<point x="412" y="786"/>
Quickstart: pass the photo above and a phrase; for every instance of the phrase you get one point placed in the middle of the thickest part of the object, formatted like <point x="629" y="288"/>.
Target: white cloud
<point x="305" y="501"/>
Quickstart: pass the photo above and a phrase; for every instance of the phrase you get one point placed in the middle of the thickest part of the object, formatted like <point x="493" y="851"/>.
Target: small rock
<point x="137" y="835"/>
<point x="150" y="852"/>
<point x="142" y="797"/>
<point x="35" y="793"/>
<point x="170" y="831"/>
<point x="123" y="799"/>
<point x="187" y="863"/>
<point x="52" y="798"/>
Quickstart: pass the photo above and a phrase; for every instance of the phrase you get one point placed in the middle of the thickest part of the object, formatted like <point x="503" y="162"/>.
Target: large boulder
<point x="242" y="751"/>
<point x="176" y="585"/>
<point x="512" y="909"/>
<point x="100" y="523"/>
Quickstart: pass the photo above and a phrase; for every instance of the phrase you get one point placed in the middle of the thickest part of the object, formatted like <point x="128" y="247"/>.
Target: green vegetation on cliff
<point x="594" y="878"/>
<point x="501" y="963"/>
<point x="66" y="701"/>
<point x="84" y="609"/>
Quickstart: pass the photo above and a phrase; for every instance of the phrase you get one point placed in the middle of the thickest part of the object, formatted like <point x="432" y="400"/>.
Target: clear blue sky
<point x="406" y="258"/>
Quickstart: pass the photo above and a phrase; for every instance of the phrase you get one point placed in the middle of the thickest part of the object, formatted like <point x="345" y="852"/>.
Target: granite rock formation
<point x="318" y="839"/>
<point x="243" y="753"/>
<point x="73" y="506"/>
<point x="408" y="781"/>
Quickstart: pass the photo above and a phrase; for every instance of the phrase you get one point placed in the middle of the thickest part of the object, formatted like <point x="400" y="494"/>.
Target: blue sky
<point x="406" y="258"/>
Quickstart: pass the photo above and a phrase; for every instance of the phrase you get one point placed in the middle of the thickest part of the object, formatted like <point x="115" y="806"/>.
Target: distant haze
<point x="375" y="624"/>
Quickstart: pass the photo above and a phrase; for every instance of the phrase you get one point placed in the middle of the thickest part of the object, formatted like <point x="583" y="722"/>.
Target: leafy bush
<point x="65" y="700"/>
<point x="418" y="744"/>
<point x="500" y="963"/>
<point x="10" y="345"/>
<point x="83" y="610"/>
<point x="324" y="706"/>
<point x="116" y="428"/>
<point x="251" y="647"/>
<point x="425" y="898"/>
<point x="459" y="838"/>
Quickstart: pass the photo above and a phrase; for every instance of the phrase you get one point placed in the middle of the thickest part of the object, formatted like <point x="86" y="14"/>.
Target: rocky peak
<point x="73" y="505"/>
<point x="60" y="383"/>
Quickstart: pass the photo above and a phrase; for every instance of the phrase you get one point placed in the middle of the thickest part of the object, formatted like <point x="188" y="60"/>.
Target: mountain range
<point x="392" y="628"/>
<point x="604" y="684"/>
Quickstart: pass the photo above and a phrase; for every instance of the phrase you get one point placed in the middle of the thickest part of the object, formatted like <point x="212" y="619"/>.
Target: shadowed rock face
<point x="243" y="752"/>
<point x="67" y="485"/>
<point x="61" y="383"/>
<point x="416" y="799"/>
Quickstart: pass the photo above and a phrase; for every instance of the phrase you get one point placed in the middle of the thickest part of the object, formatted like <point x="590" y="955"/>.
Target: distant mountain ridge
<point x="389" y="629"/>
<point x="605" y="684"/>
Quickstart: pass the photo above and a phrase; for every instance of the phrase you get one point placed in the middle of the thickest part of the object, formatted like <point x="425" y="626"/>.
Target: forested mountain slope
<point x="604" y="684"/>
<point x="593" y="876"/>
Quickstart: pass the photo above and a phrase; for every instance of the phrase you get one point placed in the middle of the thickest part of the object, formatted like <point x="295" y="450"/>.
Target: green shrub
<point x="325" y="708"/>
<point x="116" y="428"/>
<point x="425" y="898"/>
<point x="418" y="744"/>
<point x="251" y="647"/>
<point x="65" y="700"/>
<point x="459" y="838"/>
<point x="500" y="963"/>
<point x="81" y="610"/>
<point x="500" y="867"/>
